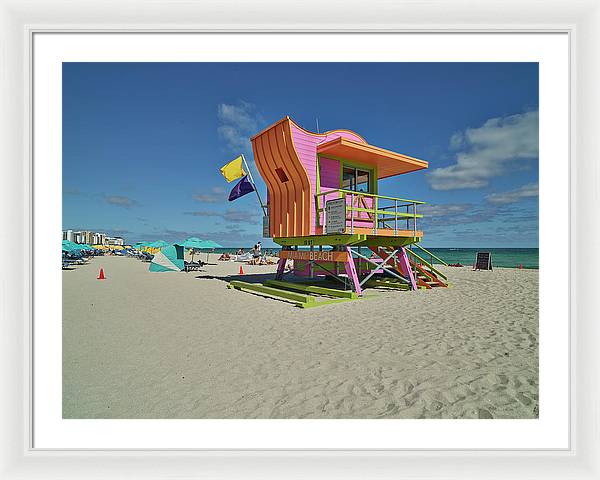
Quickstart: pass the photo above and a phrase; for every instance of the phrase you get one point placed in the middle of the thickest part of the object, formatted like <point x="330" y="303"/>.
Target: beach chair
<point x="193" y="266"/>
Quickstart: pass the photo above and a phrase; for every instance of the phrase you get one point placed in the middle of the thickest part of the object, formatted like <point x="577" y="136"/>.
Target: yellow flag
<point x="233" y="170"/>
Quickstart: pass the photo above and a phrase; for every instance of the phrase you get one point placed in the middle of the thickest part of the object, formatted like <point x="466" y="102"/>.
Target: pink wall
<point x="330" y="180"/>
<point x="348" y="135"/>
<point x="306" y="148"/>
<point x="330" y="173"/>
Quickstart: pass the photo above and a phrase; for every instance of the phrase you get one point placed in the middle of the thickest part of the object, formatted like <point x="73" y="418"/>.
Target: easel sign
<point x="483" y="261"/>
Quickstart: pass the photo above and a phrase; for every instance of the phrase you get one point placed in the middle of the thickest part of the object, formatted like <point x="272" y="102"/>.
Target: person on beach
<point x="256" y="254"/>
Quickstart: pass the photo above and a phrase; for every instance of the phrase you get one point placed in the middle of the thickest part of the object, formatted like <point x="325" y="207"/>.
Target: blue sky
<point x="143" y="143"/>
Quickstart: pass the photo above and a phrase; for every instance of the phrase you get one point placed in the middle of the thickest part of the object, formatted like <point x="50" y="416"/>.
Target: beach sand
<point x="182" y="345"/>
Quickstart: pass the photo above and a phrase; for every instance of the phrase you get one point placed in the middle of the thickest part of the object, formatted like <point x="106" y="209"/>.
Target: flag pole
<point x="254" y="185"/>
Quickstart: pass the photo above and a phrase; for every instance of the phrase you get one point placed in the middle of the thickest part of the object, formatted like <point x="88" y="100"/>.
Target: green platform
<point x="285" y="291"/>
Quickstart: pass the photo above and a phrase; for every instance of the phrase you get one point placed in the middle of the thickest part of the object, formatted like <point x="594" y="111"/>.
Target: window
<point x="363" y="181"/>
<point x="356" y="180"/>
<point x="281" y="174"/>
<point x="349" y="179"/>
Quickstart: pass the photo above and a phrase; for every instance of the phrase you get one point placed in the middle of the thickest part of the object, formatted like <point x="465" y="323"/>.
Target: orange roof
<point x="388" y="163"/>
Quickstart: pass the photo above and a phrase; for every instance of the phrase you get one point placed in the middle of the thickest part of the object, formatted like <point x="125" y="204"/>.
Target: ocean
<point x="501" y="257"/>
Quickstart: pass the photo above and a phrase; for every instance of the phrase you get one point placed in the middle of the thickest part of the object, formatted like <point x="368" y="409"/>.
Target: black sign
<point x="483" y="261"/>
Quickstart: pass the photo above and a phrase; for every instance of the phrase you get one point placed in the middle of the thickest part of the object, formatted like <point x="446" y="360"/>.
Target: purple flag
<point x="241" y="188"/>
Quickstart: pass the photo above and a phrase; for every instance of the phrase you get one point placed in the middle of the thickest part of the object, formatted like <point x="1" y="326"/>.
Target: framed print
<point x="319" y="263"/>
<point x="300" y="249"/>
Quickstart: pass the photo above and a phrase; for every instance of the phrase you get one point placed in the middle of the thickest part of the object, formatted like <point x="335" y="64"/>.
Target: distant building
<point x="98" y="238"/>
<point x="91" y="238"/>
<point x="87" y="237"/>
<point x="114" y="241"/>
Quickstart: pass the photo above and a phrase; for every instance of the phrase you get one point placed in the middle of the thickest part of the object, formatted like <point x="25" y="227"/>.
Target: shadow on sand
<point x="250" y="278"/>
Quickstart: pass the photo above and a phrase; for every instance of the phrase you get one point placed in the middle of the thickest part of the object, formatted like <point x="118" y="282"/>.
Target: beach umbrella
<point x="69" y="246"/>
<point x="209" y="244"/>
<point x="143" y="246"/>
<point x="192" y="243"/>
<point x="168" y="259"/>
<point x="72" y="248"/>
<point x="153" y="247"/>
<point x="159" y="244"/>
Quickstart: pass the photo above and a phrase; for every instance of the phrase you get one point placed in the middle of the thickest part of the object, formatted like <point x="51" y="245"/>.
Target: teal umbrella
<point x="68" y="245"/>
<point x="158" y="244"/>
<point x="192" y="243"/>
<point x="72" y="247"/>
<point x="209" y="244"/>
<point x="169" y="259"/>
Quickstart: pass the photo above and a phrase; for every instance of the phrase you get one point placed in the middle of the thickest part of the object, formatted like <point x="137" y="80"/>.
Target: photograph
<point x="302" y="240"/>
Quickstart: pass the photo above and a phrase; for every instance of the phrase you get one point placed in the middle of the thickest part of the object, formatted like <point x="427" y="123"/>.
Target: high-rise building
<point x="91" y="238"/>
<point x="67" y="235"/>
<point x="88" y="237"/>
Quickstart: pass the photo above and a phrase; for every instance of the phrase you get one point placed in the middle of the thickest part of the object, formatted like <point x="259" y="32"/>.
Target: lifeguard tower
<point x="323" y="194"/>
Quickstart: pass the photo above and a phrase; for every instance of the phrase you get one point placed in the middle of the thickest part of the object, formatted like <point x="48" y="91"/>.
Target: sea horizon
<point x="507" y="257"/>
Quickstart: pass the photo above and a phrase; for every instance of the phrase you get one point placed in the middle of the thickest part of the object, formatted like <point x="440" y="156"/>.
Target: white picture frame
<point x="19" y="21"/>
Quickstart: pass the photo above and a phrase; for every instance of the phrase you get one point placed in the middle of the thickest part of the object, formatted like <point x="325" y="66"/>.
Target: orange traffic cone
<point x="241" y="270"/>
<point x="101" y="276"/>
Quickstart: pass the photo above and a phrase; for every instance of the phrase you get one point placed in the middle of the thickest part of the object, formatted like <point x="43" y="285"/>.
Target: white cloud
<point x="488" y="151"/>
<point x="443" y="210"/>
<point x="526" y="191"/>
<point x="457" y="140"/>
<point x="120" y="201"/>
<point x="231" y="216"/>
<point x="237" y="124"/>
<point x="213" y="195"/>
<point x="453" y="214"/>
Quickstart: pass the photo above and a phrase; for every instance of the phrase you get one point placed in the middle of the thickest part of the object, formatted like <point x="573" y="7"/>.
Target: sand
<point x="182" y="345"/>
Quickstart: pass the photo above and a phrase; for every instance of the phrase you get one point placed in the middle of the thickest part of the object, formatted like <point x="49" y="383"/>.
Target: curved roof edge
<point x="325" y="134"/>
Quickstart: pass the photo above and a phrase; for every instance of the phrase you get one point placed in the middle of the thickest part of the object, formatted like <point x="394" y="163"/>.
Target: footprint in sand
<point x="483" y="413"/>
<point x="525" y="400"/>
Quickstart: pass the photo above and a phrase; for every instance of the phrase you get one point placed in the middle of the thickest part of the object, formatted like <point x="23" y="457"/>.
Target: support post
<point x="414" y="219"/>
<point x="405" y="267"/>
<point x="395" y="218"/>
<point x="351" y="213"/>
<point x="351" y="272"/>
<point x="280" y="268"/>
